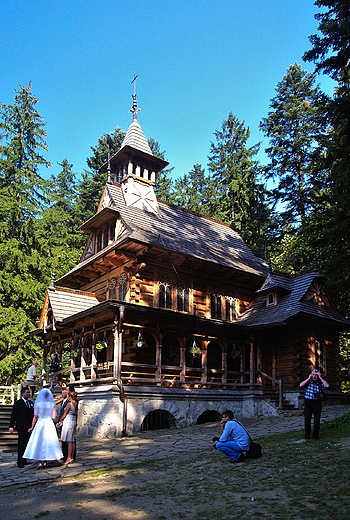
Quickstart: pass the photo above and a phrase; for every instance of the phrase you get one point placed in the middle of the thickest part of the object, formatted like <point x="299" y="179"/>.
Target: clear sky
<point x="196" y="61"/>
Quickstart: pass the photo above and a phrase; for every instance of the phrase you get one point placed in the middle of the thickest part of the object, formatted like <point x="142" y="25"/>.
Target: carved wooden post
<point x="115" y="349"/>
<point x="183" y="360"/>
<point x="251" y="364"/>
<point x="224" y="367"/>
<point x="159" y="358"/>
<point x="204" y="377"/>
<point x="93" y="356"/>
<point x="81" y="372"/>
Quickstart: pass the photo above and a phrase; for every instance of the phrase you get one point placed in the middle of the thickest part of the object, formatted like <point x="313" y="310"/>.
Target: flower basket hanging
<point x="195" y="350"/>
<point x="102" y="344"/>
<point x="139" y="342"/>
<point x="77" y="349"/>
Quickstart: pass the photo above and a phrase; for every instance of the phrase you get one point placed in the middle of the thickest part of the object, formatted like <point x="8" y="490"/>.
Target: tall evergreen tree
<point x="22" y="199"/>
<point x="194" y="192"/>
<point x="58" y="227"/>
<point x="21" y="186"/>
<point x="330" y="226"/>
<point x="296" y="128"/>
<point x="240" y="197"/>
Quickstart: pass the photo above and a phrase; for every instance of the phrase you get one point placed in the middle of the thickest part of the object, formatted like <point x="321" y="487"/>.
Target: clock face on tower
<point x="140" y="195"/>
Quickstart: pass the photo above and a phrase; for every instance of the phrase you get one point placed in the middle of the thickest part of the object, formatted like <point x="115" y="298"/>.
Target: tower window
<point x="215" y="306"/>
<point x="112" y="289"/>
<point x="183" y="299"/>
<point x="122" y="288"/>
<point x="231" y="313"/>
<point x="165" y="294"/>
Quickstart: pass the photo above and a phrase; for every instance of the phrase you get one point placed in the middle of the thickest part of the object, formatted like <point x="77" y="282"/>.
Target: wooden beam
<point x="102" y="268"/>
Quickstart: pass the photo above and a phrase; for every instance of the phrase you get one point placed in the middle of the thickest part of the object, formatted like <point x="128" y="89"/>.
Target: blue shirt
<point x="313" y="390"/>
<point x="235" y="432"/>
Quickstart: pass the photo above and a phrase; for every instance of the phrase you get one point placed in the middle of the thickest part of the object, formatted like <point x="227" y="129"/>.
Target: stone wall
<point x="101" y="409"/>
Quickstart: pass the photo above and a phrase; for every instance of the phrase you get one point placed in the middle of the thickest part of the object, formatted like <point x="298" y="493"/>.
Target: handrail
<point x="280" y="388"/>
<point x="12" y="393"/>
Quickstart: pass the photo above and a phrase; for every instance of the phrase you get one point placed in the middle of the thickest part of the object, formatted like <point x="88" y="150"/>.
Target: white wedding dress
<point x="43" y="443"/>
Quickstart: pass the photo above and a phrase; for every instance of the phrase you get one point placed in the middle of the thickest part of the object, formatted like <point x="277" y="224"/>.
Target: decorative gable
<point x="106" y="202"/>
<point x="317" y="294"/>
<point x="140" y="194"/>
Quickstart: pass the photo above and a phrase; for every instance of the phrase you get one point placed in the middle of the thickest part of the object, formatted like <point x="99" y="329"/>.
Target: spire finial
<point x="52" y="283"/>
<point x="134" y="108"/>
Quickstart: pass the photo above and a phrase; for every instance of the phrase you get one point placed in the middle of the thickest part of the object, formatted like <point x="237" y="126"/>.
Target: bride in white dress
<point x="43" y="443"/>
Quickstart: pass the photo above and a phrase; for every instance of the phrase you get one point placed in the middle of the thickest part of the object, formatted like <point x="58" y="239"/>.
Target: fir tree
<point x="296" y="128"/>
<point x="22" y="199"/>
<point x="240" y="197"/>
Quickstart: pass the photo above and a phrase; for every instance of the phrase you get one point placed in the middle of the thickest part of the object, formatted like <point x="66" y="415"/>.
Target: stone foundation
<point x="101" y="408"/>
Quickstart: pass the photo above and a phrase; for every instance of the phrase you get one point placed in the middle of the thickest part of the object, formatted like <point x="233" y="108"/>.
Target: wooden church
<point x="169" y="318"/>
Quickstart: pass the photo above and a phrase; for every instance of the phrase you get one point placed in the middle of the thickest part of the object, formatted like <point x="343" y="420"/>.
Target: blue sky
<point x="196" y="61"/>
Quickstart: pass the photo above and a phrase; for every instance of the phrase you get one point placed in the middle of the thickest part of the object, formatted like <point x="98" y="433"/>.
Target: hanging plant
<point x="77" y="349"/>
<point x="139" y="342"/>
<point x="102" y="344"/>
<point x="235" y="353"/>
<point x="195" y="350"/>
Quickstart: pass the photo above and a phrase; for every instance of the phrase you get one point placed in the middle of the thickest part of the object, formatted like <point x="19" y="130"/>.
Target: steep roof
<point x="292" y="303"/>
<point x="135" y="138"/>
<point x="66" y="302"/>
<point x="180" y="231"/>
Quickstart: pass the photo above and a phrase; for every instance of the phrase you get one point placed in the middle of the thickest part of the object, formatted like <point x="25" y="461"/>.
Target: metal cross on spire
<point x="134" y="108"/>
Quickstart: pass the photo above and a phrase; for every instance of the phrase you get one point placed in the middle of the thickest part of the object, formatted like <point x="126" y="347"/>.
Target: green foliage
<point x="239" y="196"/>
<point x="194" y="191"/>
<point x="331" y="51"/>
<point x="331" y="221"/>
<point x="296" y="128"/>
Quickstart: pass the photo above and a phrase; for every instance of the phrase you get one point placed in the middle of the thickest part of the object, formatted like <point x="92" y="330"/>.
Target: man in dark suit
<point x="21" y="419"/>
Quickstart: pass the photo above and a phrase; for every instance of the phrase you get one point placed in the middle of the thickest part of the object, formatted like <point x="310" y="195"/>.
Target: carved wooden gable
<point x="317" y="294"/>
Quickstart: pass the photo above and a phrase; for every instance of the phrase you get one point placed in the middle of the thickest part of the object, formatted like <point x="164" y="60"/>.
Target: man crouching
<point x="234" y="439"/>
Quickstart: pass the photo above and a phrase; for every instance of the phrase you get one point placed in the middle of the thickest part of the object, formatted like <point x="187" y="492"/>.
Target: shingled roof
<point x="66" y="302"/>
<point x="289" y="305"/>
<point x="135" y="138"/>
<point x="180" y="231"/>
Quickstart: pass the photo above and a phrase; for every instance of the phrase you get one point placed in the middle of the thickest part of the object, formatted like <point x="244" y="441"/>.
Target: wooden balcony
<point x="168" y="375"/>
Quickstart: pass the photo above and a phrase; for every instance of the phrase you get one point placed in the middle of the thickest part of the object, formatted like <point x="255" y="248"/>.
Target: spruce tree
<point x="193" y="191"/>
<point x="296" y="128"/>
<point x="330" y="225"/>
<point x="22" y="199"/>
<point x="240" y="196"/>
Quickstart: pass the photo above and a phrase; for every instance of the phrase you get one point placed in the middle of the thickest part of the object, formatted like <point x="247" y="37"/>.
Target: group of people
<point x="55" y="366"/>
<point x="235" y="440"/>
<point x="38" y="426"/>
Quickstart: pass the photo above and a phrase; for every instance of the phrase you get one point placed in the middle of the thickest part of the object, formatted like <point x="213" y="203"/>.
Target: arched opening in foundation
<point x="209" y="416"/>
<point x="158" y="420"/>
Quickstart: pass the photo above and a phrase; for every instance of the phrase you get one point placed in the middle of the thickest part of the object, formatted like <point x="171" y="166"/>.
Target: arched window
<point x="112" y="231"/>
<point x="112" y="289"/>
<point x="122" y="287"/>
<point x="105" y="237"/>
<point x="231" y="309"/>
<point x="99" y="241"/>
<point x="319" y="363"/>
<point x="215" y="305"/>
<point x="165" y="294"/>
<point x="271" y="299"/>
<point x="183" y="299"/>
